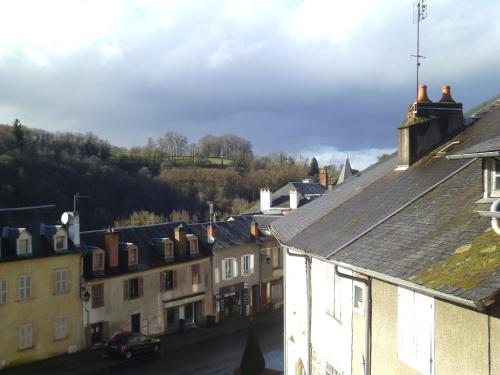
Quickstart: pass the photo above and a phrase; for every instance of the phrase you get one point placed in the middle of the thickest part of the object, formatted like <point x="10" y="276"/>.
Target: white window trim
<point x="168" y="249"/>
<point x="103" y="255"/>
<point x="250" y="270"/>
<point x="3" y="291"/>
<point x="360" y="310"/>
<point x="60" y="327"/>
<point x="334" y="308"/>
<point x="415" y="330"/>
<point x="60" y="233"/>
<point x="234" y="268"/>
<point x="26" y="336"/>
<point x="27" y="291"/>
<point x="61" y="281"/>
<point x="493" y="173"/>
<point x="23" y="237"/>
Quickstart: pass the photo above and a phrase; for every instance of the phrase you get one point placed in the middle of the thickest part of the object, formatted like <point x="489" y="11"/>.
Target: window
<point x="133" y="258"/>
<point x="277" y="291"/>
<point x="24" y="287"/>
<point x="3" y="291"/>
<point x="277" y="257"/>
<point x="228" y="268"/>
<point x="495" y="178"/>
<point x="195" y="274"/>
<point x="169" y="249"/>
<point x="60" y="328"/>
<point x="330" y="370"/>
<point x="98" y="260"/>
<point x="60" y="242"/>
<point x="168" y="280"/>
<point x="247" y="264"/>
<point x="416" y="330"/>
<point x="132" y="288"/>
<point x="334" y="298"/>
<point x="24" y="246"/>
<point x="61" y="283"/>
<point x="193" y="244"/>
<point x="358" y="299"/>
<point x="97" y="296"/>
<point x="26" y="336"/>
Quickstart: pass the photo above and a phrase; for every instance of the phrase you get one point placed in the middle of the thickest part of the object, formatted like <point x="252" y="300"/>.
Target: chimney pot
<point x="180" y="239"/>
<point x="446" y="95"/>
<point x="422" y="95"/>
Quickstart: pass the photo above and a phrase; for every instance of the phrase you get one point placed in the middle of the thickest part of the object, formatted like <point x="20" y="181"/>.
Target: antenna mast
<point x="77" y="197"/>
<point x="419" y="14"/>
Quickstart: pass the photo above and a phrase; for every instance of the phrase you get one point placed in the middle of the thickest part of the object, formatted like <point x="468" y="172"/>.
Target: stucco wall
<point x="235" y="252"/>
<point x="117" y="311"/>
<point x="495" y="339"/>
<point x="40" y="310"/>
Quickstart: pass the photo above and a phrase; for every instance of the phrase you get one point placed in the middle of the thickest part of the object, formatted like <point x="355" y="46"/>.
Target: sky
<point x="320" y="78"/>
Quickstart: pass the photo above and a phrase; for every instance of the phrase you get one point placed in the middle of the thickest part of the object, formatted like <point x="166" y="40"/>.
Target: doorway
<point x="136" y="323"/>
<point x="96" y="333"/>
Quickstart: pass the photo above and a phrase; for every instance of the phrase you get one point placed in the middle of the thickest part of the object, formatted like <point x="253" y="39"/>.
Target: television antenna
<point x="76" y="198"/>
<point x="419" y="14"/>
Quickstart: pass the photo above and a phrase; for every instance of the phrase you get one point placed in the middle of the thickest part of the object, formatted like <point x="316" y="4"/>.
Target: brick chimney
<point x="323" y="178"/>
<point x="180" y="240"/>
<point x="254" y="229"/>
<point x="111" y="239"/>
<point x="428" y="125"/>
<point x="265" y="199"/>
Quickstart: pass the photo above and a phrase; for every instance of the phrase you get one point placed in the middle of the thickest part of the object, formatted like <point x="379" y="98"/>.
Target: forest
<point x="167" y="179"/>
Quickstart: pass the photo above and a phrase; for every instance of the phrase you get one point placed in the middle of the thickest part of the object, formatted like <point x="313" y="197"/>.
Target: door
<point x="255" y="299"/>
<point x="96" y="333"/>
<point x="136" y="323"/>
<point x="171" y="319"/>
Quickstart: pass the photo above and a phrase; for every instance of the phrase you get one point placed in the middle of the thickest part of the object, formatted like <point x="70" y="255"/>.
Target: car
<point x="127" y="344"/>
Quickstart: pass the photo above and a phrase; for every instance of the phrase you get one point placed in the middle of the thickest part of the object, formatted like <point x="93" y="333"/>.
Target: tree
<point x="313" y="168"/>
<point x="141" y="217"/>
<point x="18" y="133"/>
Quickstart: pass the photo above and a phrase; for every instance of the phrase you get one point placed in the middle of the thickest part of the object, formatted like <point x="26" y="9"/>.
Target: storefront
<point x="183" y="313"/>
<point x="233" y="301"/>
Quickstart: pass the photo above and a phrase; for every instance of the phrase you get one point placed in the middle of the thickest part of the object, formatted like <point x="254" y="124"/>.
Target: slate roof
<point x="490" y="147"/>
<point x="32" y="219"/>
<point x="227" y="234"/>
<point x="401" y="223"/>
<point x="143" y="237"/>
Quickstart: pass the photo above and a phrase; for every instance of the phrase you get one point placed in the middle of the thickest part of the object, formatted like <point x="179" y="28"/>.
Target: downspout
<point x="308" y="260"/>
<point x="368" y="322"/>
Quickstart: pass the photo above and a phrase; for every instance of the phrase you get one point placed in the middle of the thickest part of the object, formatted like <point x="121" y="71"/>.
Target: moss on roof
<point x="467" y="267"/>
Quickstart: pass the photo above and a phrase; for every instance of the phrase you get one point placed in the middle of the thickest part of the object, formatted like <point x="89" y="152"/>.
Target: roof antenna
<point x="419" y="14"/>
<point x="76" y="197"/>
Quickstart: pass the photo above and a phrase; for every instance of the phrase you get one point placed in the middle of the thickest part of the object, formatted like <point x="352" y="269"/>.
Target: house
<point x="40" y="306"/>
<point x="153" y="279"/>
<point x="395" y="271"/>
<point x="246" y="267"/>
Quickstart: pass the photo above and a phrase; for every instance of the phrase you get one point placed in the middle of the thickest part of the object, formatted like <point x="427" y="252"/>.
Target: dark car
<point x="127" y="344"/>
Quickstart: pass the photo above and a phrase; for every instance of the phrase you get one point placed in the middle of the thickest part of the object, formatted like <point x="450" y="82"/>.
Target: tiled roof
<point x="490" y="147"/>
<point x="402" y="223"/>
<point x="305" y="191"/>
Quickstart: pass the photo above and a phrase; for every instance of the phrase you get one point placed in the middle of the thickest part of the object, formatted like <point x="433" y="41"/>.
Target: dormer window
<point x="98" y="261"/>
<point x="495" y="178"/>
<point x="168" y="248"/>
<point x="24" y="244"/>
<point x="193" y="244"/>
<point x="60" y="240"/>
<point x="133" y="255"/>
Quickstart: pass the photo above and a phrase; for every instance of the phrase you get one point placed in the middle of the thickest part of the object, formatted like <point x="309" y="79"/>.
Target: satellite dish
<point x="65" y="218"/>
<point x="210" y="239"/>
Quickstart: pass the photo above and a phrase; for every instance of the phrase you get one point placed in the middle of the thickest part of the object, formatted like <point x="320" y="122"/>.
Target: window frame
<point x="61" y="327"/>
<point x="493" y="175"/>
<point x="231" y="261"/>
<point x="195" y="274"/>
<point x="359" y="309"/>
<point x="334" y="307"/>
<point x="193" y="245"/>
<point x="4" y="288"/>
<point x="98" y="253"/>
<point x="247" y="264"/>
<point x="24" y="237"/>
<point x="25" y="340"/>
<point x="26" y="291"/>
<point x="61" y="285"/>
<point x="97" y="295"/>
<point x="136" y="291"/>
<point x="168" y="250"/>
<point x="133" y="255"/>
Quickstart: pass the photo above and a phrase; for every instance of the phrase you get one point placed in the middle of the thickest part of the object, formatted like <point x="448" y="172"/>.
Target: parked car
<point x="127" y="344"/>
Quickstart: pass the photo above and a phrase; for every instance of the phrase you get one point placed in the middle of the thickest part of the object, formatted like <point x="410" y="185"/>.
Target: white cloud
<point x="229" y="51"/>
<point x="110" y="52"/>
<point x="360" y="159"/>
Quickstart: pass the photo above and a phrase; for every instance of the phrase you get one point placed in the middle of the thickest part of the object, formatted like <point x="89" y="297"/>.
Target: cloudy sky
<point x="311" y="77"/>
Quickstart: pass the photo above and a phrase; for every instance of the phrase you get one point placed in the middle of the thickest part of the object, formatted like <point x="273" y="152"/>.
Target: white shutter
<point x="424" y="335"/>
<point x="223" y="269"/>
<point x="235" y="267"/>
<point x="405" y="325"/>
<point x="251" y="263"/>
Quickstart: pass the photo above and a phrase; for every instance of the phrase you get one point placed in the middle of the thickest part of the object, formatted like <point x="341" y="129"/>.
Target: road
<point x="214" y="356"/>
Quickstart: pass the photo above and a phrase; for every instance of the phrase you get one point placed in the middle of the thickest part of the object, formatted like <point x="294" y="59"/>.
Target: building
<point x="246" y="267"/>
<point x="395" y="271"/>
<point x="40" y="306"/>
<point x="153" y="279"/>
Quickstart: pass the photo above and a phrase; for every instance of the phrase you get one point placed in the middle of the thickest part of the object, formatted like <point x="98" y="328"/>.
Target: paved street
<point x="214" y="350"/>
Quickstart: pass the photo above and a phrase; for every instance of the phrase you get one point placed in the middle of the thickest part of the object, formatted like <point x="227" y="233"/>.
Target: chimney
<point x="294" y="199"/>
<point x="265" y="199"/>
<point x="446" y="95"/>
<point x="74" y="227"/>
<point x="254" y="229"/>
<point x="180" y="239"/>
<point x="323" y="178"/>
<point x="210" y="232"/>
<point x="428" y="125"/>
<point x="111" y="247"/>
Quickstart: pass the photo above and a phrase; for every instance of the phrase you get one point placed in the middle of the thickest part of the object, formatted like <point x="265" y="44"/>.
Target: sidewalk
<point x="92" y="361"/>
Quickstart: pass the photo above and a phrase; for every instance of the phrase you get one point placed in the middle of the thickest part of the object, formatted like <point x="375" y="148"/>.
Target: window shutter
<point x="141" y="286"/>
<point x="223" y="269"/>
<point x="54" y="282"/>
<point x="68" y="281"/>
<point x="235" y="267"/>
<point x="405" y="325"/>
<point x="125" y="289"/>
<point x="424" y="322"/>
<point x="162" y="281"/>
<point x="174" y="279"/>
<point x="251" y="263"/>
